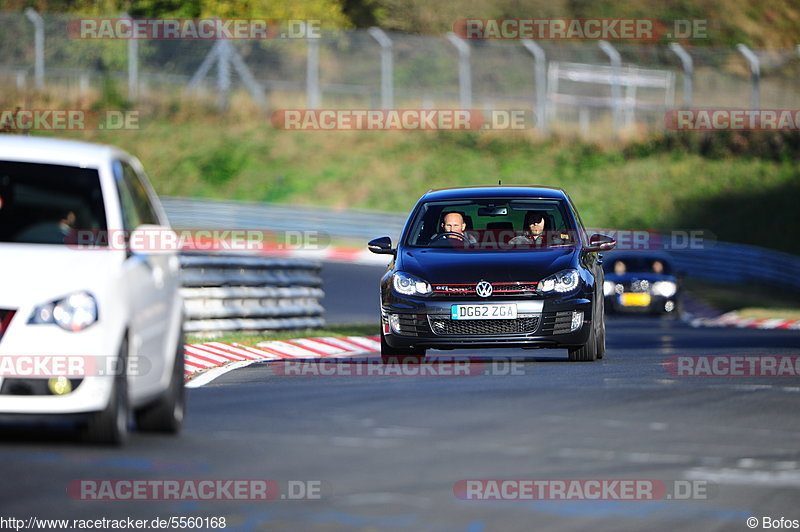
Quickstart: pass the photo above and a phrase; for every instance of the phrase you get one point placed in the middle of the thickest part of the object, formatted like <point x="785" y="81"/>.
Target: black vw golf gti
<point x="487" y="267"/>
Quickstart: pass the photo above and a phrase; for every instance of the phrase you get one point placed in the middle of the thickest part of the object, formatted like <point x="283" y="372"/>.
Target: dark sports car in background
<point x="640" y="282"/>
<point x="467" y="274"/>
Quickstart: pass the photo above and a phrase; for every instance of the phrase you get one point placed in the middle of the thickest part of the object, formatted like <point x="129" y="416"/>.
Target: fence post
<point x="464" y="74"/>
<point x="616" y="62"/>
<point x="387" y="75"/>
<point x="133" y="62"/>
<point x="224" y="73"/>
<point x="541" y="83"/>
<point x="755" y="74"/>
<point x="688" y="72"/>
<point x="313" y="92"/>
<point x="38" y="24"/>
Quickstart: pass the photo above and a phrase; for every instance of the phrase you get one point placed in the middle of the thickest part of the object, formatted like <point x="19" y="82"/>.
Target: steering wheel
<point x="447" y="235"/>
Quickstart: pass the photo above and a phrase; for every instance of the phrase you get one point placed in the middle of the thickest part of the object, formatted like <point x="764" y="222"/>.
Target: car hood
<point x="459" y="266"/>
<point x="34" y="273"/>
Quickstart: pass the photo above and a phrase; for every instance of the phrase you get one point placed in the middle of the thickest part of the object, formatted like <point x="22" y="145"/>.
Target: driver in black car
<point x="453" y="229"/>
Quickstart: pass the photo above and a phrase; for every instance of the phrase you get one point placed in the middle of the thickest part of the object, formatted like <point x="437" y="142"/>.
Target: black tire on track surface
<point x="166" y="413"/>
<point x="111" y="424"/>
<point x="588" y="351"/>
<point x="601" y="339"/>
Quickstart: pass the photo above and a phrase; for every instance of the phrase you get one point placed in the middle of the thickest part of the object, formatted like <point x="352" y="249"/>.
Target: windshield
<point x="623" y="265"/>
<point x="48" y="204"/>
<point x="492" y="224"/>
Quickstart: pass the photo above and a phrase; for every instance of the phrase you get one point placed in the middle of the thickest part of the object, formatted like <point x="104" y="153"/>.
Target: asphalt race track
<point x="389" y="450"/>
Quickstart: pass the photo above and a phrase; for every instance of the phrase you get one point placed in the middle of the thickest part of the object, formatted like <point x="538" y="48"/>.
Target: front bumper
<point x="541" y="323"/>
<point x="658" y="305"/>
<point x="93" y="350"/>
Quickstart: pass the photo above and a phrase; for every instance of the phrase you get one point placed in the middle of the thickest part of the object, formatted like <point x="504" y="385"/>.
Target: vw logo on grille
<point x="484" y="288"/>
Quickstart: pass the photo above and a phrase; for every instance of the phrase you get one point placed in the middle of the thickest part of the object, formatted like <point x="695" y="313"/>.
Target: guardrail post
<point x="688" y="72"/>
<point x="387" y="79"/>
<point x="464" y="70"/>
<point x="755" y="75"/>
<point x="133" y="63"/>
<point x="38" y="25"/>
<point x="541" y="83"/>
<point x="616" y="63"/>
<point x="313" y="92"/>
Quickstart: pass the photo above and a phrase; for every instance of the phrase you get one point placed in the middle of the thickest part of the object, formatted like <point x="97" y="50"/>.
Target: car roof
<point x="47" y="150"/>
<point x="510" y="191"/>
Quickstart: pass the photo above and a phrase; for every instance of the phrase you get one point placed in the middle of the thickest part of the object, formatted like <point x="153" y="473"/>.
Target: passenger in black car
<point x="533" y="230"/>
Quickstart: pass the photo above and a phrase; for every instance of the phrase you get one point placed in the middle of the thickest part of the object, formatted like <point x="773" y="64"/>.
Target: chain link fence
<point x="571" y="87"/>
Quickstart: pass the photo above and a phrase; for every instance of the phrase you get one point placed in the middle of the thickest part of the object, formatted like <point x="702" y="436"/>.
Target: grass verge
<point x="364" y="329"/>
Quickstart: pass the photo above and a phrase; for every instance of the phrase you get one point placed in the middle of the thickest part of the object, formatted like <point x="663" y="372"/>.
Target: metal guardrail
<point x="740" y="263"/>
<point x="187" y="213"/>
<point x="226" y="293"/>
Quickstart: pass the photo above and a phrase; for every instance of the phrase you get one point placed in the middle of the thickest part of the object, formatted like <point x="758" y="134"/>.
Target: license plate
<point x="634" y="299"/>
<point x="487" y="311"/>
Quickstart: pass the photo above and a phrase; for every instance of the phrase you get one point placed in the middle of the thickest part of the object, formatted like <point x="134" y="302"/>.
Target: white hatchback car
<point x="89" y="326"/>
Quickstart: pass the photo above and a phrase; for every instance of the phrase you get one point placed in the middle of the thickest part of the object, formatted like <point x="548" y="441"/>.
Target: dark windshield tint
<point x="46" y="204"/>
<point x="492" y="224"/>
<point x="622" y="265"/>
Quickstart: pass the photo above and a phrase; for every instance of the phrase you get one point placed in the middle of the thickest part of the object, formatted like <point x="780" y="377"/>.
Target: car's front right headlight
<point x="410" y="285"/>
<point x="72" y="313"/>
<point x="665" y="288"/>
<point x="563" y="281"/>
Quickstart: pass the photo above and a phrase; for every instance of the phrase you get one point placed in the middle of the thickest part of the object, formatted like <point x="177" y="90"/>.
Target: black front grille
<point x="556" y="322"/>
<point x="5" y="319"/>
<point x="448" y="327"/>
<point x="498" y="289"/>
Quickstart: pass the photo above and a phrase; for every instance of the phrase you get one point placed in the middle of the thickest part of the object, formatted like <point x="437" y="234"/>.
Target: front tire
<point x="166" y="413"/>
<point x="110" y="425"/>
<point x="601" y="338"/>
<point x="399" y="355"/>
<point x="588" y="351"/>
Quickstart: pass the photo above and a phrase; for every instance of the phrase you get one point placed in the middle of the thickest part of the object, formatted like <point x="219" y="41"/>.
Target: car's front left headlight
<point x="410" y="285"/>
<point x="72" y="313"/>
<point x="609" y="288"/>
<point x="664" y="288"/>
<point x="563" y="281"/>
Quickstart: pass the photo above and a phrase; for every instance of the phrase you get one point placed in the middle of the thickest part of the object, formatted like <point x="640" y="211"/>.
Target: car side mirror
<point x="381" y="246"/>
<point x="598" y="242"/>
